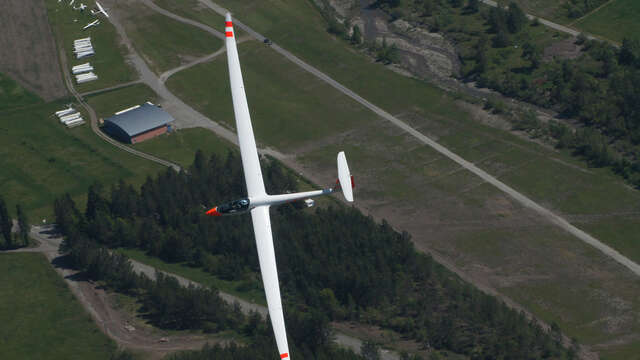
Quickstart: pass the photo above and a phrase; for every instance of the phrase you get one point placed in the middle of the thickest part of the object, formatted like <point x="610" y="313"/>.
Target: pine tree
<point x="5" y="223"/>
<point x="23" y="224"/>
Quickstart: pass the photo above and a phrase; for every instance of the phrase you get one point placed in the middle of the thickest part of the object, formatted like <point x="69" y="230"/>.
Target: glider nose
<point x="214" y="212"/>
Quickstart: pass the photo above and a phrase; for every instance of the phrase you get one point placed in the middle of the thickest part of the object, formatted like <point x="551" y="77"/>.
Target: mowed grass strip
<point x="615" y="21"/>
<point x="193" y="9"/>
<point x="163" y="42"/>
<point x="41" y="159"/>
<point x="180" y="146"/>
<point x="41" y="319"/>
<point x="108" y="103"/>
<point x="288" y="106"/>
<point x="108" y="62"/>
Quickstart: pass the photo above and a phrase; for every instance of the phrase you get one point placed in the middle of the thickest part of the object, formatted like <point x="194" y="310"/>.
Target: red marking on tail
<point x="228" y="24"/>
<point x="229" y="33"/>
<point x="213" y="212"/>
<point x="284" y="356"/>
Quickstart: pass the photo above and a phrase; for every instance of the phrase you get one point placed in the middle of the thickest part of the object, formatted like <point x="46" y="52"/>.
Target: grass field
<point x="108" y="62"/>
<point x="615" y="21"/>
<point x="40" y="317"/>
<point x="41" y="160"/>
<point x="181" y="145"/>
<point x="108" y="103"/>
<point x="165" y="43"/>
<point x="13" y="95"/>
<point x="286" y="102"/>
<point x="547" y="9"/>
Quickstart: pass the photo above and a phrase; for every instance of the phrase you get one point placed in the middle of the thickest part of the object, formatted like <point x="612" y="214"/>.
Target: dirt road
<point x="116" y="324"/>
<point x="123" y="328"/>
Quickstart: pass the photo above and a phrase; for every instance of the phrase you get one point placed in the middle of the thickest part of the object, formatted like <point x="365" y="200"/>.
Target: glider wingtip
<point x="227" y="16"/>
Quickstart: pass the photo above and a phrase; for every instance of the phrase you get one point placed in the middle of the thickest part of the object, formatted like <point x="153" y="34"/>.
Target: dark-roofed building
<point x="138" y="124"/>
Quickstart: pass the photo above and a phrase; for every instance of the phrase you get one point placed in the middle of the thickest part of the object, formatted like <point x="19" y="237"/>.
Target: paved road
<point x="520" y="198"/>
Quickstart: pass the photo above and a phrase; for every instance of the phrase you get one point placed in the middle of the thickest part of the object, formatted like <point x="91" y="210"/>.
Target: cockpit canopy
<point x="238" y="206"/>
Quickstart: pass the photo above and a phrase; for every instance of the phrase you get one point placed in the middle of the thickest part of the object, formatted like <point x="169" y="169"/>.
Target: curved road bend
<point x="94" y="121"/>
<point x="95" y="302"/>
<point x="520" y="198"/>
<point x="49" y="245"/>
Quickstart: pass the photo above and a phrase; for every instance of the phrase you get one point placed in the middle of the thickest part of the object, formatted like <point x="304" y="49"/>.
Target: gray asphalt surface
<point x="522" y="199"/>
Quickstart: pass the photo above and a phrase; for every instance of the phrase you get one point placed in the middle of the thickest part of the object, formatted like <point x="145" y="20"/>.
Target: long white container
<point x="83" y="39"/>
<point x="82" y="70"/>
<point x="82" y="65"/>
<point x="70" y="120"/>
<point x="70" y="117"/>
<point x="83" y="48"/>
<point x="83" y="79"/>
<point x="87" y="75"/>
<point x="81" y="43"/>
<point x="75" y="123"/>
<point x="84" y="54"/>
<point x="65" y="112"/>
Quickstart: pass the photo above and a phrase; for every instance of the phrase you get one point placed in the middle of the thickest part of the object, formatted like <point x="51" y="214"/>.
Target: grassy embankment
<point x="108" y="62"/>
<point x="560" y="182"/>
<point x="165" y="43"/>
<point x="40" y="318"/>
<point x="614" y="21"/>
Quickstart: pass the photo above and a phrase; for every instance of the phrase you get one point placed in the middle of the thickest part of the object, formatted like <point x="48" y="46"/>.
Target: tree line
<point x="21" y="237"/>
<point x="334" y="263"/>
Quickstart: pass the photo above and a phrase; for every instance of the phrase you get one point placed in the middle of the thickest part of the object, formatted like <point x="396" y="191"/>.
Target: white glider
<point x="258" y="201"/>
<point x="100" y="10"/>
<point x="91" y="24"/>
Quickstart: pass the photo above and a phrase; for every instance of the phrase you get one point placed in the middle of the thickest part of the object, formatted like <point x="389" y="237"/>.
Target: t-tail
<point x="344" y="184"/>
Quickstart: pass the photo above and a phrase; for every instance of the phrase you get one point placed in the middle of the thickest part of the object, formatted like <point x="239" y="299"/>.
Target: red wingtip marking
<point x="229" y="33"/>
<point x="353" y="184"/>
<point x="284" y="356"/>
<point x="228" y="24"/>
<point x="214" y="212"/>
